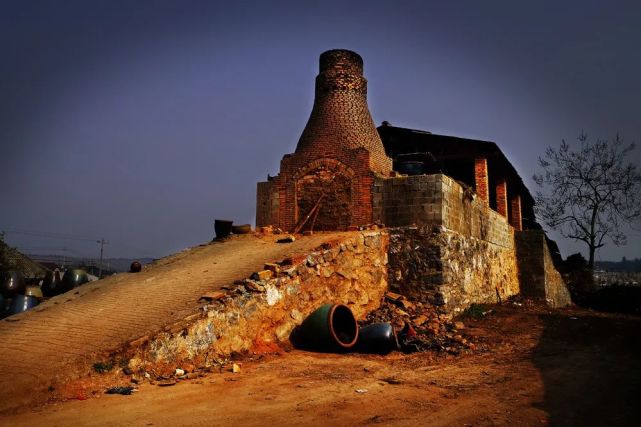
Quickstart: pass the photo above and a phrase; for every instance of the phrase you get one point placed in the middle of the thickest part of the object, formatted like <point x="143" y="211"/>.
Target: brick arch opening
<point x="330" y="182"/>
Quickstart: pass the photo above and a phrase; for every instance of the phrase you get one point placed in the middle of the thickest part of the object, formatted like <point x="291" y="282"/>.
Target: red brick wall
<point x="501" y="197"/>
<point x="515" y="213"/>
<point x="481" y="180"/>
<point x="355" y="168"/>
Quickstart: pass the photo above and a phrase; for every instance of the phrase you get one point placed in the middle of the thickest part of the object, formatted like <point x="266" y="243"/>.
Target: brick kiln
<point x="464" y="226"/>
<point x="327" y="182"/>
<point x="339" y="175"/>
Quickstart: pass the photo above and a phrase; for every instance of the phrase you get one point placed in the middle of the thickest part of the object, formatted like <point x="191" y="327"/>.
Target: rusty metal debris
<point x="121" y="390"/>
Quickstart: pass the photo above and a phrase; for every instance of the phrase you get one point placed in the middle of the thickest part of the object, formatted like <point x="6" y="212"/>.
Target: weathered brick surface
<point x="516" y="218"/>
<point x="340" y="116"/>
<point x="537" y="274"/>
<point x="334" y="211"/>
<point x="267" y="204"/>
<point x="340" y="141"/>
<point x="481" y="180"/>
<point x="501" y="197"/>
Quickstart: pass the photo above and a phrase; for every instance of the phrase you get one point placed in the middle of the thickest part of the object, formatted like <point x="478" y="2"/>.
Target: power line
<point x="48" y="235"/>
<point x="62" y="236"/>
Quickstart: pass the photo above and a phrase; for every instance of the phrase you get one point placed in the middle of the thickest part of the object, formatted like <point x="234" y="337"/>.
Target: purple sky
<point x="142" y="121"/>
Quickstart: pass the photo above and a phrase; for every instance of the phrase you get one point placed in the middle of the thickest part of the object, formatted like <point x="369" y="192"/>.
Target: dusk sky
<point x="142" y="121"/>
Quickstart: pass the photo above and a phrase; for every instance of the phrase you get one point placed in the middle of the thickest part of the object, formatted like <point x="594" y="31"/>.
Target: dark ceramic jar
<point x="12" y="283"/>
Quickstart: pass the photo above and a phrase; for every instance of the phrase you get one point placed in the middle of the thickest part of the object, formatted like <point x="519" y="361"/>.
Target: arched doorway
<point x="324" y="197"/>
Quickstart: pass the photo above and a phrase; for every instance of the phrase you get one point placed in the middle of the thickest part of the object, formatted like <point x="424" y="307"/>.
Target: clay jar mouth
<point x="342" y="326"/>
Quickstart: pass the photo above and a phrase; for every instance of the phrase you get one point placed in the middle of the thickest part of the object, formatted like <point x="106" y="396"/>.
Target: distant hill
<point x="623" y="266"/>
<point x="109" y="265"/>
<point x="12" y="259"/>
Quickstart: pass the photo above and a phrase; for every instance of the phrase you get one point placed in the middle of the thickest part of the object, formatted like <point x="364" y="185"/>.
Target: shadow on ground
<point x="591" y="369"/>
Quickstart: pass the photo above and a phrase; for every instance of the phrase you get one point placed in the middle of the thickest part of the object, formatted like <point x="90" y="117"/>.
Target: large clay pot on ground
<point x="3" y="307"/>
<point x="331" y="327"/>
<point x="241" y="229"/>
<point x="222" y="227"/>
<point x="378" y="338"/>
<point x="135" y="267"/>
<point x="11" y="283"/>
<point x="74" y="278"/>
<point x="34" y="291"/>
<point x="21" y="303"/>
<point x="52" y="284"/>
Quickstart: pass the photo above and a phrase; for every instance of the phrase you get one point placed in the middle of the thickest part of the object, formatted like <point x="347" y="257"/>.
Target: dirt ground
<point x="534" y="367"/>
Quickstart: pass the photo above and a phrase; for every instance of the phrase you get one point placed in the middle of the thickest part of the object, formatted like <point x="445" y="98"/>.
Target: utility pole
<point x="102" y="242"/>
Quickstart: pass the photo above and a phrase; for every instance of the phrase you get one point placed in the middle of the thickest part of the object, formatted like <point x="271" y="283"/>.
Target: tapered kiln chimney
<point x="340" y="117"/>
<point x="326" y="184"/>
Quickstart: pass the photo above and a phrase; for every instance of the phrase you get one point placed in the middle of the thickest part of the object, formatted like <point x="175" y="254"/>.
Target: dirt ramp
<point x="68" y="333"/>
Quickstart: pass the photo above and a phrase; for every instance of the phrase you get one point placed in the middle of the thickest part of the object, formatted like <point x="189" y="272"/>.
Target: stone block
<point x="262" y="275"/>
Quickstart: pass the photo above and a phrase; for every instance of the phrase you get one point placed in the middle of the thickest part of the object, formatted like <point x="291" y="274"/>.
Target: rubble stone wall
<point x="438" y="200"/>
<point x="261" y="313"/>
<point x="447" y="268"/>
<point x="537" y="274"/>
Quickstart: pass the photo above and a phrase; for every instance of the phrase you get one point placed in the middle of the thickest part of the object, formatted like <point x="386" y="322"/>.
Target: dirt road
<point x="539" y="367"/>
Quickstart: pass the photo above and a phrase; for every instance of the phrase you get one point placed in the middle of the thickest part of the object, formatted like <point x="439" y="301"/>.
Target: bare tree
<point x="591" y="193"/>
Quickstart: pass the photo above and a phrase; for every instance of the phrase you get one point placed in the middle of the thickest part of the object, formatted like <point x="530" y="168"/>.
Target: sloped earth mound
<point x="69" y="333"/>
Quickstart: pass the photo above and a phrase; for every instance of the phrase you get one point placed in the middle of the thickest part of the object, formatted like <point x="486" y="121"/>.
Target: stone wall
<point x="444" y="267"/>
<point x="408" y="200"/>
<point x="260" y="314"/>
<point x="537" y="274"/>
<point x="438" y="200"/>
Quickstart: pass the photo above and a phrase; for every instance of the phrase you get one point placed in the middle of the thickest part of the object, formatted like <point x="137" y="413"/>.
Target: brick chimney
<point x="327" y="182"/>
<point x="340" y="116"/>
